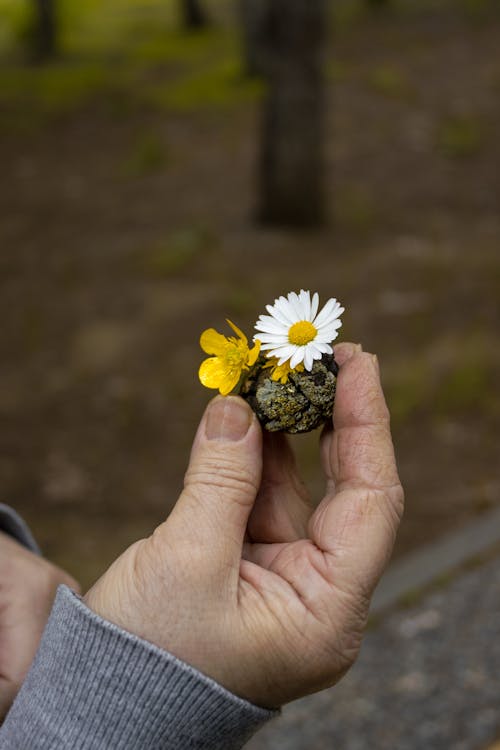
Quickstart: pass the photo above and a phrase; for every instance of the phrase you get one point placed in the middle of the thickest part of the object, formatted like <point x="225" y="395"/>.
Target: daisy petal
<point x="297" y="357"/>
<point x="286" y="355"/>
<point x="269" y="338"/>
<point x="314" y="306"/>
<point x="281" y="311"/>
<point x="289" y="311"/>
<point x="327" y="336"/>
<point x="308" y="358"/>
<point x="305" y="301"/>
<point x="316" y="353"/>
<point x="328" y="333"/>
<point x="326" y="313"/>
<point x="331" y="325"/>
<point x="284" y="351"/>
<point x="322" y="348"/>
<point x="296" y="305"/>
<point x="324" y="338"/>
<point x="267" y="347"/>
<point x="268" y="325"/>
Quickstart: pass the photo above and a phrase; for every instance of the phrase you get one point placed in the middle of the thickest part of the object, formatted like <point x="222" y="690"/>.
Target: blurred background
<point x="169" y="163"/>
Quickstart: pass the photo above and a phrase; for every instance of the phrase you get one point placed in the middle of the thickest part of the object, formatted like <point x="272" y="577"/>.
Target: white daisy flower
<point x="294" y="330"/>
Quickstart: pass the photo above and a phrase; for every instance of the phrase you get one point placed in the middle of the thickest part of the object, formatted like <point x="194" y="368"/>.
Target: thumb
<point x="221" y="481"/>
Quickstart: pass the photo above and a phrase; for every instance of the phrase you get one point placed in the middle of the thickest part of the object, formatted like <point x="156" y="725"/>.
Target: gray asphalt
<point x="428" y="678"/>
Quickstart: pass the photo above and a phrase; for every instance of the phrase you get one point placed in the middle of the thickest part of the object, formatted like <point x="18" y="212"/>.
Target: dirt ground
<point x="125" y="233"/>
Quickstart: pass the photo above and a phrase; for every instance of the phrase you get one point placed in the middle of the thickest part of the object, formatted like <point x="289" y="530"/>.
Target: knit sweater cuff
<point x="11" y="523"/>
<point x="93" y="685"/>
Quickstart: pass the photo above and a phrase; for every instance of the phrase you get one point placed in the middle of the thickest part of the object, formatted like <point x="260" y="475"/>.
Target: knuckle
<point x="50" y="577"/>
<point x="224" y="475"/>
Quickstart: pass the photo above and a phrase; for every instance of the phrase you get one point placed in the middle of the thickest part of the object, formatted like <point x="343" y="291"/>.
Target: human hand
<point x="244" y="581"/>
<point x="28" y="585"/>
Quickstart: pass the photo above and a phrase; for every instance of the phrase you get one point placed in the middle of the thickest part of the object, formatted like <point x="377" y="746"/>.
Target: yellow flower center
<point x="235" y="354"/>
<point x="302" y="333"/>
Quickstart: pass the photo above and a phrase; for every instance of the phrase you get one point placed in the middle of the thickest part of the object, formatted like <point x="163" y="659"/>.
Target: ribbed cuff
<point x="11" y="523"/>
<point x="93" y="685"/>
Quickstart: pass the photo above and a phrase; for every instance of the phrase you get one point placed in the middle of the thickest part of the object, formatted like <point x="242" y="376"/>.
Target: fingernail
<point x="358" y="347"/>
<point x="228" y="419"/>
<point x="375" y="363"/>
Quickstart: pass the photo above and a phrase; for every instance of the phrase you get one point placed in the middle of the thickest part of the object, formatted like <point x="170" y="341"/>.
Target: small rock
<point x="303" y="403"/>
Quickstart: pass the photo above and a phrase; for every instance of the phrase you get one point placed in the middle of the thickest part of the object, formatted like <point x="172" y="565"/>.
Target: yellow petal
<point x="237" y="331"/>
<point x="214" y="374"/>
<point x="211" y="372"/>
<point x="229" y="382"/>
<point x="278" y="377"/>
<point x="254" y="353"/>
<point x="212" y="342"/>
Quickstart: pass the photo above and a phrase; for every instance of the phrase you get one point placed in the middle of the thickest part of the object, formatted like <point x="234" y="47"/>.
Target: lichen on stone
<point x="301" y="404"/>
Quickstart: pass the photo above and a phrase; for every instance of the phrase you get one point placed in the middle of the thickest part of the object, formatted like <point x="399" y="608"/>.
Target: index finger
<point x="356" y="522"/>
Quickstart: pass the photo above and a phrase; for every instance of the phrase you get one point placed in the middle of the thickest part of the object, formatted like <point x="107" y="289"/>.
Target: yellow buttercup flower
<point x="232" y="356"/>
<point x="280" y="373"/>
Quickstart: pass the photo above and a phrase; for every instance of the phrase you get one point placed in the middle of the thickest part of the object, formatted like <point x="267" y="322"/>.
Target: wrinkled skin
<point x="28" y="586"/>
<point x="245" y="580"/>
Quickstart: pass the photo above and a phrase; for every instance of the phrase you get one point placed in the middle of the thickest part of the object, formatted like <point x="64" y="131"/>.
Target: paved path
<point x="428" y="678"/>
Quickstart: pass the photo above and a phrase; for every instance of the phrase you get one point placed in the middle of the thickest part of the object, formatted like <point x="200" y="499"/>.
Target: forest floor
<point x="126" y="228"/>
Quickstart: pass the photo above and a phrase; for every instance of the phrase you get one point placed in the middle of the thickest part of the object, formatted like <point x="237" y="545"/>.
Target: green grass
<point x="409" y="390"/>
<point x="215" y="86"/>
<point x="460" y="136"/>
<point x="355" y="208"/>
<point x="346" y="13"/>
<point x="390" y="82"/>
<point x="239" y="300"/>
<point x="178" y="252"/>
<point x="450" y="378"/>
<point x="123" y="56"/>
<point x="90" y="28"/>
<point x="34" y="97"/>
<point x="337" y="71"/>
<point x="468" y="386"/>
<point x="476" y="9"/>
<point x="149" y="155"/>
<point x="130" y="55"/>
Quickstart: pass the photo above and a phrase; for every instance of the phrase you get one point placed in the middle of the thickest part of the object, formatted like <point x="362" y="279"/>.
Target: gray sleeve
<point x="95" y="686"/>
<point x="11" y="523"/>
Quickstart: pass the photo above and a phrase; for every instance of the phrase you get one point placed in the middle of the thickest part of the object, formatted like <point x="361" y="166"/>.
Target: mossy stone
<point x="301" y="404"/>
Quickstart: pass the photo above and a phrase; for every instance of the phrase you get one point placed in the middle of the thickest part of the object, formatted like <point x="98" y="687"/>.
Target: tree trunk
<point x="292" y="150"/>
<point x="193" y="15"/>
<point x="253" y="15"/>
<point x="44" y="30"/>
